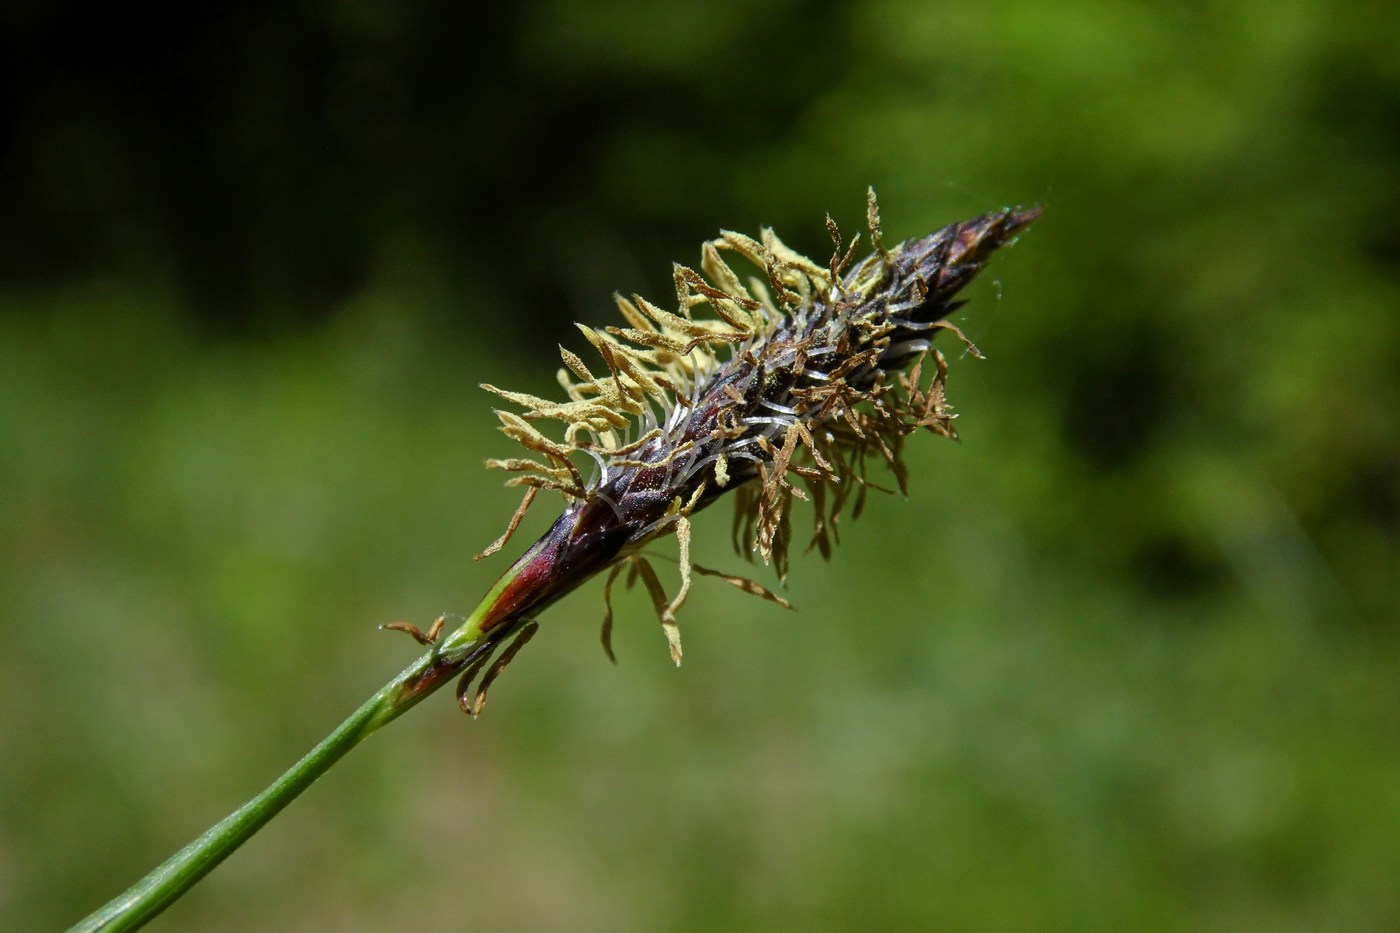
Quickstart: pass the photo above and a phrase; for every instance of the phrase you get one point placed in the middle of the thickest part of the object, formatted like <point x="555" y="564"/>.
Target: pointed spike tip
<point x="1018" y="219"/>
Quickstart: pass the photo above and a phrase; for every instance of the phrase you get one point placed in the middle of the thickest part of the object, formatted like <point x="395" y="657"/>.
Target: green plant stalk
<point x="473" y="641"/>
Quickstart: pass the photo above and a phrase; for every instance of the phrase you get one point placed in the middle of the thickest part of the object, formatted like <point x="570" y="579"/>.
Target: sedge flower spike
<point x="796" y="376"/>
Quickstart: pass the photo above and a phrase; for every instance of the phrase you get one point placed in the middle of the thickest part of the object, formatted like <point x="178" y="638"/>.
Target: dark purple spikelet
<point x="801" y="375"/>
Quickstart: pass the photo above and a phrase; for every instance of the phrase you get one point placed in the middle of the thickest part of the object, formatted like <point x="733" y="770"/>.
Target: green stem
<point x="499" y="616"/>
<point x="163" y="886"/>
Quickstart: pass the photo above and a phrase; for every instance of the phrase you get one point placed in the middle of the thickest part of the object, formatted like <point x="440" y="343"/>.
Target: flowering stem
<point x="169" y="881"/>
<point x="822" y="372"/>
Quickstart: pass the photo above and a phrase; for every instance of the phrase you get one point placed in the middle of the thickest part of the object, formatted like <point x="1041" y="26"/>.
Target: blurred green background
<point x="1127" y="657"/>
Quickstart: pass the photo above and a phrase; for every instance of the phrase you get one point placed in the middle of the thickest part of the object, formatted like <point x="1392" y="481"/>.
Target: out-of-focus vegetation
<point x="1125" y="659"/>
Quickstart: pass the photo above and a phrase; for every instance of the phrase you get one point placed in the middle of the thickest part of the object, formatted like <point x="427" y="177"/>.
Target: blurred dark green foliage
<point x="1127" y="658"/>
